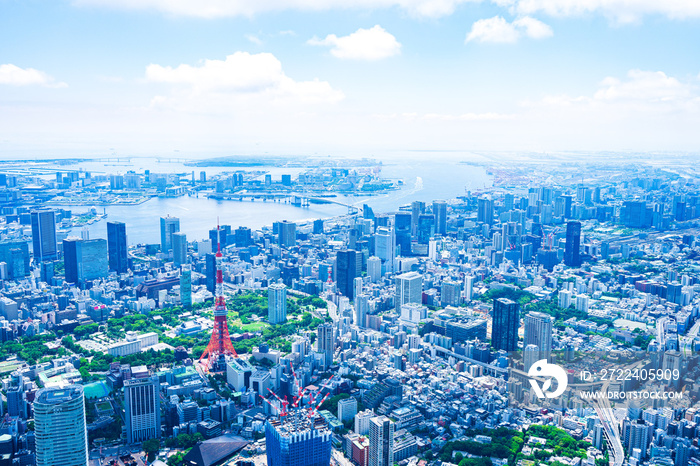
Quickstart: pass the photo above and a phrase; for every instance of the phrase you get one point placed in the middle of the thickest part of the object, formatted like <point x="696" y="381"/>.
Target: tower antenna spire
<point x="220" y="342"/>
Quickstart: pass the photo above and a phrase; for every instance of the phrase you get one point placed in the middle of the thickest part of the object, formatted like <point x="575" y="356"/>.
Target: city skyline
<point x="97" y="77"/>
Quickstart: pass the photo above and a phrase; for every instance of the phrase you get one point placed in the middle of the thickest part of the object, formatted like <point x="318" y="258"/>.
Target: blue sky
<point x="360" y="77"/>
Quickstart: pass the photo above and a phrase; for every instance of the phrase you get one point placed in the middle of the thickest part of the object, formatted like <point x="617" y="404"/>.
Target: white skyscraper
<point x="357" y="283"/>
<point x="142" y="403"/>
<point x="347" y="409"/>
<point x="277" y="303"/>
<point x="538" y="332"/>
<point x="530" y="356"/>
<point x="433" y="249"/>
<point x="361" y="310"/>
<point x="564" y="299"/>
<point x="582" y="303"/>
<point x="362" y="421"/>
<point x="385" y="247"/>
<point x="179" y="248"/>
<point x="374" y="269"/>
<point x="468" y="287"/>
<point x="497" y="241"/>
<point x="409" y="289"/>
<point x="59" y="423"/>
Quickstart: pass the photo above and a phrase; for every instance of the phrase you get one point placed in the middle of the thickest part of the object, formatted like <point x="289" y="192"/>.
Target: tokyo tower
<point x="220" y="342"/>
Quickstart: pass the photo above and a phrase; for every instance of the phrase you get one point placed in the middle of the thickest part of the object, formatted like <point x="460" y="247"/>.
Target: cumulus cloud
<point x="241" y="76"/>
<point x="499" y="30"/>
<point x="16" y="76"/>
<point x="651" y="86"/>
<point x="226" y="8"/>
<point x="363" y="44"/>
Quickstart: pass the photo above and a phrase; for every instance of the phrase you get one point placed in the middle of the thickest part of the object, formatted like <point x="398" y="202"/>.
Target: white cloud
<point x="650" y="86"/>
<point x="240" y="79"/>
<point x="254" y="39"/>
<point x="363" y="44"/>
<point x="498" y="30"/>
<point x="533" y="28"/>
<point x="622" y="11"/>
<point x="16" y="76"/>
<point x="642" y="90"/>
<point x="225" y="8"/>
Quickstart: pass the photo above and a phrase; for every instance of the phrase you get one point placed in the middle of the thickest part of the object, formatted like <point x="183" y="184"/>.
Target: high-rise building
<point x="298" y="439"/>
<point x="325" y="342"/>
<point x="142" y="403"/>
<point x="362" y="421"/>
<point x="450" y="293"/>
<point x="505" y="324"/>
<point x="484" y="212"/>
<point x="374" y="269"/>
<point x="682" y="454"/>
<point x="565" y="298"/>
<point x="179" y="249"/>
<point x="639" y="436"/>
<point x="219" y="236"/>
<point x="168" y="227"/>
<point x="44" y="235"/>
<point x="277" y="303"/>
<point x="16" y="396"/>
<point x="357" y="284"/>
<point x="85" y="260"/>
<point x="385" y="247"/>
<point x="381" y="441"/>
<point x="402" y="228"/>
<point x="440" y="213"/>
<point x="417" y="208"/>
<point x="572" y="253"/>
<point x="15" y="253"/>
<point x="347" y="409"/>
<point x="210" y="271"/>
<point x="531" y="354"/>
<point x="361" y="310"/>
<point x="186" y="286"/>
<point x="409" y="289"/>
<point x="538" y="332"/>
<point x="286" y="233"/>
<point x="349" y="266"/>
<point x="468" y="287"/>
<point x="425" y="228"/>
<point x="635" y="214"/>
<point x="60" y="428"/>
<point x="117" y="247"/>
<point x="243" y="237"/>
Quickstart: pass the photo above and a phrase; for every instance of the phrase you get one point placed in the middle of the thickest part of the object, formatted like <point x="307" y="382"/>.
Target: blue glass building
<point x="298" y="439"/>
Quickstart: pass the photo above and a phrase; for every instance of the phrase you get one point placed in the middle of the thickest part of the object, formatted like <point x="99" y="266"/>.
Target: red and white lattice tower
<point x="220" y="342"/>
